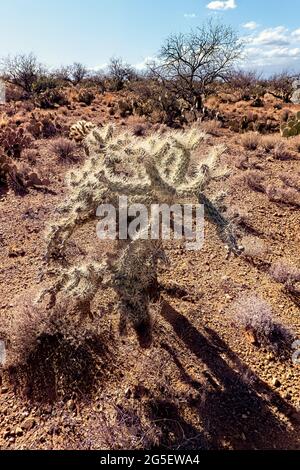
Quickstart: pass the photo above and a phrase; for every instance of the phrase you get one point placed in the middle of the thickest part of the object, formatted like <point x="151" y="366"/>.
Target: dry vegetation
<point x="207" y="358"/>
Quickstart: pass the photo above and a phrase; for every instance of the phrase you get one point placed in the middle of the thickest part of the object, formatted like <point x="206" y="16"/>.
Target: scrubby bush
<point x="254" y="248"/>
<point x="269" y="143"/>
<point x="255" y="181"/>
<point x="280" y="152"/>
<point x="283" y="194"/>
<point x="86" y="97"/>
<point x="251" y="141"/>
<point x="51" y="98"/>
<point x="45" y="83"/>
<point x="283" y="272"/>
<point x="280" y="86"/>
<point x="254" y="315"/>
<point x="64" y="149"/>
<point x="22" y="70"/>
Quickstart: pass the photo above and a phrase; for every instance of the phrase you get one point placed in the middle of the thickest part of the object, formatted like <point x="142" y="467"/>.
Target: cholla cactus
<point x="80" y="130"/>
<point x="291" y="127"/>
<point x="150" y="170"/>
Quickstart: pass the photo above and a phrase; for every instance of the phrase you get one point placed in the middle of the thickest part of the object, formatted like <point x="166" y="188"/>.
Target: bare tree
<point x="78" y="73"/>
<point x="74" y="73"/>
<point x="280" y="85"/>
<point x="189" y="63"/>
<point x="22" y="70"/>
<point x="120" y="72"/>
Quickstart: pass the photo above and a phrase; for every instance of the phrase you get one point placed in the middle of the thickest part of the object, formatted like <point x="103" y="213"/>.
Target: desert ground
<point x="206" y="381"/>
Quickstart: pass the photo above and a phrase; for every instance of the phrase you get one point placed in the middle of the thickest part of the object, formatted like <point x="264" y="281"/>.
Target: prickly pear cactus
<point x="291" y="127"/>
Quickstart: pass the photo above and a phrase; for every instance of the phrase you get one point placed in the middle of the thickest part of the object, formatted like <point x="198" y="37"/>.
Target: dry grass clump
<point x="291" y="180"/>
<point x="280" y="152"/>
<point x="32" y="323"/>
<point x="251" y="141"/>
<point x="64" y="149"/>
<point x="255" y="316"/>
<point x="255" y="181"/>
<point x="283" y="194"/>
<point x="282" y="271"/>
<point x="269" y="142"/>
<point x="122" y="429"/>
<point x="254" y="248"/>
<point x="212" y="127"/>
<point x="296" y="143"/>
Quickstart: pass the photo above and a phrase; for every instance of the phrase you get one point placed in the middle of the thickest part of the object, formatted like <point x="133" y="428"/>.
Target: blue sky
<point x="91" y="31"/>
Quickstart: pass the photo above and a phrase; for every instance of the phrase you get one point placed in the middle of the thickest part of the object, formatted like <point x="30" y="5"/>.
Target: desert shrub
<point x="125" y="107"/>
<point x="269" y="143"/>
<point x="44" y="84"/>
<point x="296" y="143"/>
<point x="280" y="86"/>
<point x="283" y="194"/>
<point x="22" y="70"/>
<point x="282" y="271"/>
<point x="14" y="140"/>
<point x="291" y="180"/>
<point x="64" y="149"/>
<point x="119" y="73"/>
<point x="86" y="97"/>
<point x="280" y="152"/>
<point x="254" y="247"/>
<point x="161" y="175"/>
<point x="255" y="180"/>
<point x="245" y="84"/>
<point x="212" y="127"/>
<point x="51" y="352"/>
<point x="124" y="429"/>
<point x="43" y="126"/>
<point x="254" y="315"/>
<point x="13" y="93"/>
<point x="51" y="98"/>
<point x="251" y="141"/>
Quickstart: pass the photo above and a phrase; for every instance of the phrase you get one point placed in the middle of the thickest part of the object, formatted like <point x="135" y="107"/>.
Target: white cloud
<point x="222" y="5"/>
<point x="296" y="33"/>
<point x="251" y="25"/>
<point x="272" y="37"/>
<point x="190" y="15"/>
<point x="141" y="66"/>
<point x="273" y="48"/>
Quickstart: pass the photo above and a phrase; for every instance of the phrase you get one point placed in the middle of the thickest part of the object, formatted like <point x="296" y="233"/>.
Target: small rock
<point x="71" y="405"/>
<point x="16" y="251"/>
<point x="4" y="389"/>
<point x="28" y="424"/>
<point x="276" y="382"/>
<point x="19" y="431"/>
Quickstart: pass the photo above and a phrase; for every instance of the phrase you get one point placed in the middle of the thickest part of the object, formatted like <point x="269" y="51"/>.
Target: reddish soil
<point x="203" y="383"/>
